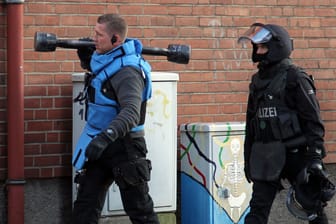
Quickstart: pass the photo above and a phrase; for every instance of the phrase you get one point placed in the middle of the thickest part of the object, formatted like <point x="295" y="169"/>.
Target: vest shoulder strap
<point x="294" y="73"/>
<point x="107" y="84"/>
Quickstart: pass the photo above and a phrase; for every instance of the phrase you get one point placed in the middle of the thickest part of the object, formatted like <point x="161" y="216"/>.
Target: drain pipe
<point x="15" y="112"/>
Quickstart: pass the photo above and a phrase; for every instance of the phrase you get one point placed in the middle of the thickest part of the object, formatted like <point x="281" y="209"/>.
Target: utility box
<point x="161" y="137"/>
<point x="214" y="189"/>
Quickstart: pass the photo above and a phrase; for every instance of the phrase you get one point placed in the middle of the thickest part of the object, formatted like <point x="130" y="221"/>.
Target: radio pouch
<point x="267" y="160"/>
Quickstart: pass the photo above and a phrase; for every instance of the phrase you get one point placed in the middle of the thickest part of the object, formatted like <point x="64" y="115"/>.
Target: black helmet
<point x="275" y="37"/>
<point x="296" y="208"/>
<point x="309" y="194"/>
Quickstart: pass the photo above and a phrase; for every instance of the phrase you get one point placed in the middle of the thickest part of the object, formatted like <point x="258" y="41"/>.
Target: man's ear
<point x="114" y="39"/>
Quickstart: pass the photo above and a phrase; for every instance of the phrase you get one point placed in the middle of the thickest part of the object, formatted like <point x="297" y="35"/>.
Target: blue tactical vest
<point x="101" y="110"/>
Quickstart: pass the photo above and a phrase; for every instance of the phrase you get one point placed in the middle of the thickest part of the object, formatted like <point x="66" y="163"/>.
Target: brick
<point x="34" y="137"/>
<point x="66" y="136"/>
<point x="73" y="20"/>
<point x="39" y="125"/>
<point x="32" y="173"/>
<point x="180" y="10"/>
<point x="64" y="171"/>
<point x="35" y="91"/>
<point x="28" y="161"/>
<point x="41" y="114"/>
<point x="47" y="20"/>
<point x="131" y="9"/>
<point x="64" y="113"/>
<point x="46" y="172"/>
<point x="47" y="102"/>
<point x="62" y="125"/>
<point x="53" y="137"/>
<point x="201" y="10"/>
<point x="37" y="8"/>
<point x="32" y="103"/>
<point x="47" y="160"/>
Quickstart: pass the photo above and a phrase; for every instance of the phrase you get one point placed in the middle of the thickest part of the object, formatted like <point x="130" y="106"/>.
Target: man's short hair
<point x="115" y="24"/>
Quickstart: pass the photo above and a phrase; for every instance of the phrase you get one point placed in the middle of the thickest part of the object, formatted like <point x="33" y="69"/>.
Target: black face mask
<point x="259" y="57"/>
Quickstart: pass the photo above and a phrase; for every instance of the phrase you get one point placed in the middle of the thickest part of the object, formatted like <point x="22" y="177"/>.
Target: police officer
<point x="284" y="129"/>
<point x="112" y="145"/>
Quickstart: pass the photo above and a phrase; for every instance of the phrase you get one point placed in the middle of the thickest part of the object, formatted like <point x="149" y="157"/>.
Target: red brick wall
<point x="213" y="87"/>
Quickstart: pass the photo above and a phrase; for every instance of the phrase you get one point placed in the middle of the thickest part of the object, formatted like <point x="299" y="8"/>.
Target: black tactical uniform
<point x="284" y="129"/>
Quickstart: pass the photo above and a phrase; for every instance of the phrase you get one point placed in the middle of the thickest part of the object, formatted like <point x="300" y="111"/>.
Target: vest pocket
<point x="100" y="116"/>
<point x="290" y="130"/>
<point x="267" y="160"/>
<point x="289" y="125"/>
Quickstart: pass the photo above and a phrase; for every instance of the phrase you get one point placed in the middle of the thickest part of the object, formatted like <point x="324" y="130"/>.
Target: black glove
<point x="313" y="160"/>
<point x="85" y="53"/>
<point x="97" y="146"/>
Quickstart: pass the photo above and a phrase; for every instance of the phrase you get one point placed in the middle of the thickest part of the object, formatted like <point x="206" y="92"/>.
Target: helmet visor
<point x="296" y="209"/>
<point x="257" y="34"/>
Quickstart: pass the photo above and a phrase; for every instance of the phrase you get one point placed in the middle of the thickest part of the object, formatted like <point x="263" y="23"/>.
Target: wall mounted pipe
<point x="15" y="112"/>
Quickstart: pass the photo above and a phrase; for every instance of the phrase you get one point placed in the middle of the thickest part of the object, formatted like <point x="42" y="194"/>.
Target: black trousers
<point x="123" y="162"/>
<point x="264" y="193"/>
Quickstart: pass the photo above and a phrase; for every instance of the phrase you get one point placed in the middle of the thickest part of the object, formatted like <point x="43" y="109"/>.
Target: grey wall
<point x="48" y="201"/>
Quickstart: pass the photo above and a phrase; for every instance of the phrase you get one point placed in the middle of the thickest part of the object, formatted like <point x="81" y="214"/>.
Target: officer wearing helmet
<point x="284" y="131"/>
